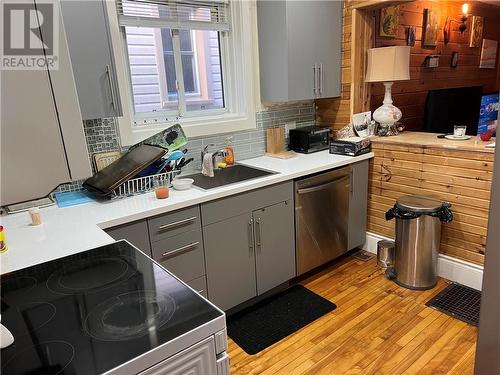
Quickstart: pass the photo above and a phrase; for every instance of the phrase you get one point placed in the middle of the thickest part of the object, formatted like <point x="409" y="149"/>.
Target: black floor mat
<point x="458" y="301"/>
<point x="272" y="319"/>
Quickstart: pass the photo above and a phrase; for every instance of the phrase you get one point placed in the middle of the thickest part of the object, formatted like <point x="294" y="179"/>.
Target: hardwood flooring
<point x="377" y="328"/>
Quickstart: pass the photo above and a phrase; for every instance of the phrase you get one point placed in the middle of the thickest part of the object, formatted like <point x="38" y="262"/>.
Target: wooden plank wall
<point x="460" y="177"/>
<point x="410" y="95"/>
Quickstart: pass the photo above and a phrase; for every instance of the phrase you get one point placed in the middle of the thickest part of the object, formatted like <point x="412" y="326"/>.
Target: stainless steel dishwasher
<point x="321" y="217"/>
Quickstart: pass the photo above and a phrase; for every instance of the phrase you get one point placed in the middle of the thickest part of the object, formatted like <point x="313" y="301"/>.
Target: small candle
<point x="161" y="192"/>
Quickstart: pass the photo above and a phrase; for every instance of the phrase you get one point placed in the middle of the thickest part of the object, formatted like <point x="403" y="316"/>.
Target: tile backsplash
<point x="102" y="135"/>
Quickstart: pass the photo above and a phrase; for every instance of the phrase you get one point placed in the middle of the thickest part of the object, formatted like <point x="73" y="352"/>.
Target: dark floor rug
<point x="458" y="301"/>
<point x="273" y="319"/>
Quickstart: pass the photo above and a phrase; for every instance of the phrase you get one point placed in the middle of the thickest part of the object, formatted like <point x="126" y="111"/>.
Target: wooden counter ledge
<point x="456" y="171"/>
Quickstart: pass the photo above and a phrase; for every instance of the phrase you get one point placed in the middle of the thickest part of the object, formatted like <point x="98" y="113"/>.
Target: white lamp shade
<point x="388" y="64"/>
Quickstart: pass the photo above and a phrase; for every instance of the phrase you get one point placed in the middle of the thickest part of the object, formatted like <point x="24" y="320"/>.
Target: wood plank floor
<point x="377" y="328"/>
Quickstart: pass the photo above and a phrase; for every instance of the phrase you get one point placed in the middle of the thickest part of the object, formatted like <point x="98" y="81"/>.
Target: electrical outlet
<point x="288" y="126"/>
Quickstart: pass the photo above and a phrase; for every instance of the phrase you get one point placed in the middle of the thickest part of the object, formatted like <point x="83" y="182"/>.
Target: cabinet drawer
<point x="235" y="205"/>
<point x="182" y="255"/>
<point x="200" y="285"/>
<point x="174" y="223"/>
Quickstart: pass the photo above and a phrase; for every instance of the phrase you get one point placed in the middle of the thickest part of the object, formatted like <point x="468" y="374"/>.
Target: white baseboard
<point x="449" y="268"/>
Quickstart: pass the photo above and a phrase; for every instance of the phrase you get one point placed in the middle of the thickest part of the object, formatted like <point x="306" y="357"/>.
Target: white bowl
<point x="182" y="183"/>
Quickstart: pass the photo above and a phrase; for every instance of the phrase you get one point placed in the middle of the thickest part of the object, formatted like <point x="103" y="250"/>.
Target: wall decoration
<point x="488" y="54"/>
<point x="454" y="60"/>
<point x="389" y="21"/>
<point x="476" y="33"/>
<point x="430" y="28"/>
<point x="411" y="35"/>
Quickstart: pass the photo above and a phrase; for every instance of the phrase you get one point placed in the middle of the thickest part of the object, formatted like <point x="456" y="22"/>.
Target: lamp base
<point x="387" y="114"/>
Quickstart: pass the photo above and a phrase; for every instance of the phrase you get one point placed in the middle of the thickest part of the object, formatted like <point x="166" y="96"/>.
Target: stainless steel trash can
<point x="385" y="253"/>
<point x="418" y="234"/>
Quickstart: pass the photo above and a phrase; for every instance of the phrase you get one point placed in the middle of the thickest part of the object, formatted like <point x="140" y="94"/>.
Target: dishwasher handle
<point x="324" y="186"/>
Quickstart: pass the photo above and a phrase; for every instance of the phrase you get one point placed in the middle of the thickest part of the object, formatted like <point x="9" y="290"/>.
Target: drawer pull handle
<point x="200" y="291"/>
<point x="169" y="254"/>
<point x="177" y="223"/>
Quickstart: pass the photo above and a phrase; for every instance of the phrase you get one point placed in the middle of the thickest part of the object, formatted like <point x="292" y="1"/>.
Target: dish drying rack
<point x="141" y="185"/>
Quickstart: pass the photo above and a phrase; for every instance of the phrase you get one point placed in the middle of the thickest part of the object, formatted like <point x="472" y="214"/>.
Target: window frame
<point x="240" y="82"/>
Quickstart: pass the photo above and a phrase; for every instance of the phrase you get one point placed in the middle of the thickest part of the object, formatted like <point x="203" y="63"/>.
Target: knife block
<point x="275" y="144"/>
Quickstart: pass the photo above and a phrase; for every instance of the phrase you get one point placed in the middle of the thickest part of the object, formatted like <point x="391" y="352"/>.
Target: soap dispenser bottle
<point x="229" y="159"/>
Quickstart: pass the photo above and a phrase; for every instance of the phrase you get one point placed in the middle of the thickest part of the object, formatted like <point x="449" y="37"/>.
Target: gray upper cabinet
<point x="274" y="245"/>
<point x="42" y="138"/>
<point x="358" y="203"/>
<point x="90" y="48"/>
<point x="299" y="49"/>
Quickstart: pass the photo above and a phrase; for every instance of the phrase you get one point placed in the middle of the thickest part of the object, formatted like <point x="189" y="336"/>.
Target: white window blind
<point x="175" y="14"/>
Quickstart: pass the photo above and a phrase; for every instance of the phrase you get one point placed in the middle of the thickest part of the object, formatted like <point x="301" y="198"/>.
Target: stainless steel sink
<point x="226" y="176"/>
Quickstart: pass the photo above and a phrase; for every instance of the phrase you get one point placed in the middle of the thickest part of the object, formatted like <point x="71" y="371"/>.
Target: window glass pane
<point x="152" y="78"/>
<point x="185" y="40"/>
<point x="206" y="66"/>
<point x="166" y="38"/>
<point x="189" y="74"/>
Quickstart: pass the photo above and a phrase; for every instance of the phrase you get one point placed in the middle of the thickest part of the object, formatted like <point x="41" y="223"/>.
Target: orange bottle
<point x="229" y="159"/>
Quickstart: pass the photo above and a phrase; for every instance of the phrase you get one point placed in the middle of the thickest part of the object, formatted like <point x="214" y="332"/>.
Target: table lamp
<point x="388" y="64"/>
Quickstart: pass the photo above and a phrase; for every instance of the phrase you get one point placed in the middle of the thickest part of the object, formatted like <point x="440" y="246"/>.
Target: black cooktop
<point x="91" y="312"/>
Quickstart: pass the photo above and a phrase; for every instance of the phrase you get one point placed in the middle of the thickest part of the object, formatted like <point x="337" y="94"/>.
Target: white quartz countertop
<point x="70" y="230"/>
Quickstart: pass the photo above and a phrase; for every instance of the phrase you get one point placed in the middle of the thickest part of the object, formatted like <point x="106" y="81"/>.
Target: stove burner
<point x="28" y="317"/>
<point x="50" y="357"/>
<point x="21" y="284"/>
<point x="90" y="275"/>
<point x="129" y="315"/>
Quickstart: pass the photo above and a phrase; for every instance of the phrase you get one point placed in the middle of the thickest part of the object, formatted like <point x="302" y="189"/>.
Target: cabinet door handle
<point x="169" y="254"/>
<point x="315" y="90"/>
<point x="250" y="234"/>
<point x="111" y="88"/>
<point x="177" y="223"/>
<point x="259" y="233"/>
<point x="320" y="79"/>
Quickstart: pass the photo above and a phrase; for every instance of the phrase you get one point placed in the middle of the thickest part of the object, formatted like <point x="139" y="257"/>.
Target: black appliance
<point x="446" y="108"/>
<point x="309" y="139"/>
<point x="91" y="312"/>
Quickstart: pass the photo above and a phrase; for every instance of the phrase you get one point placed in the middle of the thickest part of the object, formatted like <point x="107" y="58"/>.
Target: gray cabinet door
<point x="274" y="245"/>
<point x="136" y="233"/>
<point x="304" y="41"/>
<point x="358" y="203"/>
<point x="230" y="261"/>
<point x="90" y="48"/>
<point x="299" y="49"/>
<point x="327" y="40"/>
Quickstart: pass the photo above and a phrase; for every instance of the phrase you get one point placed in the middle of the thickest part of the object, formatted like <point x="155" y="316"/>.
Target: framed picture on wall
<point x="389" y="21"/>
<point x="488" y="54"/>
<point x="476" y="32"/>
<point x="430" y="28"/>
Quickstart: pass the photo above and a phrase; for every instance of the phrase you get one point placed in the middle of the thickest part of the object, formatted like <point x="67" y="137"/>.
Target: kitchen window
<point x="187" y="62"/>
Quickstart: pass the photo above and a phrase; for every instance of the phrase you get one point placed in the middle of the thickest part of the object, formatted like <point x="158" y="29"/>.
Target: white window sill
<point x="193" y="127"/>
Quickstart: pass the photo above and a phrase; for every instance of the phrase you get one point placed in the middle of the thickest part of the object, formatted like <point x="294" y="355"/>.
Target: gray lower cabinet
<point x="274" y="245"/>
<point x="182" y="255"/>
<point x="90" y="49"/>
<point x="252" y="252"/>
<point x="136" y="233"/>
<point x="230" y="261"/>
<point x="358" y="203"/>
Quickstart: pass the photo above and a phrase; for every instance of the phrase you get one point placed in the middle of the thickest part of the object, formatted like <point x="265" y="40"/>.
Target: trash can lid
<point x="418" y="203"/>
